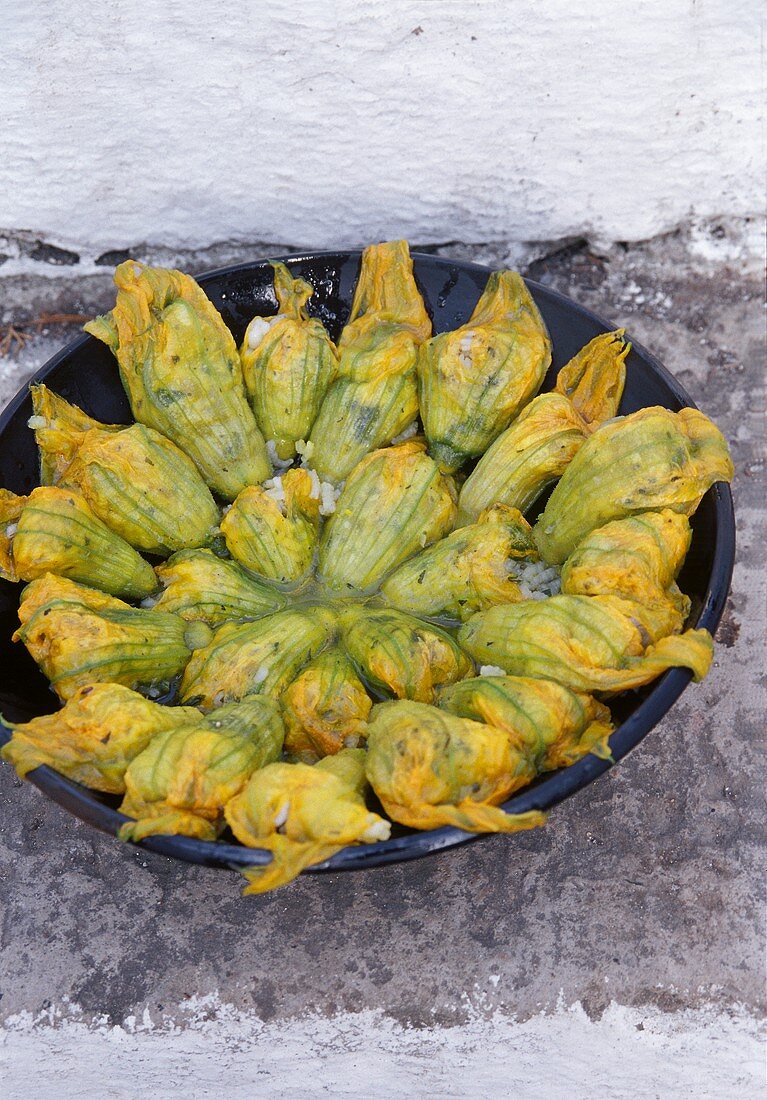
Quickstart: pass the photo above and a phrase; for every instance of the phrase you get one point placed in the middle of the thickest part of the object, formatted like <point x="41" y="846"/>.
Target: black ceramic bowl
<point x="86" y="373"/>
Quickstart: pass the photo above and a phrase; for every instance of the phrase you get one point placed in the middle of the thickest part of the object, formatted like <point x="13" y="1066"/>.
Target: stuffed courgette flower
<point x="326" y="708"/>
<point x="540" y="443"/>
<point x="261" y="657"/>
<point x="54" y="531"/>
<point x="430" y="768"/>
<point x="134" y="479"/>
<point x="375" y="396"/>
<point x="649" y="460"/>
<point x="11" y="507"/>
<point x="79" y="636"/>
<point x="552" y="724"/>
<point x="275" y="536"/>
<point x="288" y="362"/>
<point x="59" y="429"/>
<point x="180" y="368"/>
<point x="303" y="814"/>
<point x="474" y="380"/>
<point x="94" y="736"/>
<point x="466" y="571"/>
<point x="198" y="585"/>
<point x="386" y="297"/>
<point x="395" y="503"/>
<point x="184" y="778"/>
<point x="400" y="655"/>
<point x="636" y="559"/>
<point x="587" y="643"/>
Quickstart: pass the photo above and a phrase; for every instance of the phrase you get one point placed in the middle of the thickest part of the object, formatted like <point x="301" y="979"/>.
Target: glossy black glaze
<point x="86" y="373"/>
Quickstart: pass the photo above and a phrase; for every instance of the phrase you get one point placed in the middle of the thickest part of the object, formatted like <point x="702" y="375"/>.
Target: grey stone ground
<point x="645" y="888"/>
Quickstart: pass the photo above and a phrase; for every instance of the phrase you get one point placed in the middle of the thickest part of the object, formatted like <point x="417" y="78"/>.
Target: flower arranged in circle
<point x="347" y="598"/>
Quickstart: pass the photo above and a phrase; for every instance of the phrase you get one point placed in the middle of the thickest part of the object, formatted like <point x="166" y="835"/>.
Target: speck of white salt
<point x="36" y="422"/>
<point x="261" y="675"/>
<point x="491" y="670"/>
<point x="464" y="350"/>
<point x="11" y="530"/>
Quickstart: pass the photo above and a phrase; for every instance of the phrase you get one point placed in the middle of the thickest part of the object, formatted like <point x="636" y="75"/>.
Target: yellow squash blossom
<point x="474" y="380"/>
<point x="303" y="814"/>
<point x="394" y="504"/>
<point x="375" y="396"/>
<point x="288" y="362"/>
<point x="180" y="368"/>
<point x="651" y="459"/>
<point x="542" y="441"/>
<point x="430" y="768"/>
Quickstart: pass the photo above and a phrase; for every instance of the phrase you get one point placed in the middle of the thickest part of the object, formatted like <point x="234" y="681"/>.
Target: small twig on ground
<point x="58" y="319"/>
<point x="11" y="337"/>
<point x="14" y="337"/>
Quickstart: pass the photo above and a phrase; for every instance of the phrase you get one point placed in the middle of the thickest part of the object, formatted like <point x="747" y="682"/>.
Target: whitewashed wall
<point x="317" y="124"/>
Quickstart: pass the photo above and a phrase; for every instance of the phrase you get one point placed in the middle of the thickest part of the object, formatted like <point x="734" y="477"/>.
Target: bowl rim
<point x="547" y="792"/>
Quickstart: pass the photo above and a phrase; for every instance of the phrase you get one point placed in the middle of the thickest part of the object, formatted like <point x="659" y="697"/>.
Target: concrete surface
<point x="447" y="120"/>
<point x="644" y="891"/>
<point x="219" y="1051"/>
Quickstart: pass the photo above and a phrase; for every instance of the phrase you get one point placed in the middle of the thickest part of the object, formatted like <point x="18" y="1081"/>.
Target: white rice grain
<point x="407" y="433"/>
<point x="380" y="830"/>
<point x="274" y="489"/>
<point x="305" y="448"/>
<point x="329" y="498"/>
<point x="258" y="328"/>
<point x="464" y="350"/>
<point x="536" y="580"/>
<point x="277" y="462"/>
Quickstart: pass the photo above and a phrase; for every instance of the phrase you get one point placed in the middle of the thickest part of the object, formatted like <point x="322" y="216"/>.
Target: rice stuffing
<point x="325" y="492"/>
<point x="258" y="328"/>
<point x="536" y="580"/>
<point x="274" y="489"/>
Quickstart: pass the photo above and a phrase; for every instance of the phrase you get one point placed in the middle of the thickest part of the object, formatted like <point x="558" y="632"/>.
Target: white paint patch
<point x="630" y="1053"/>
<point x="182" y="125"/>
